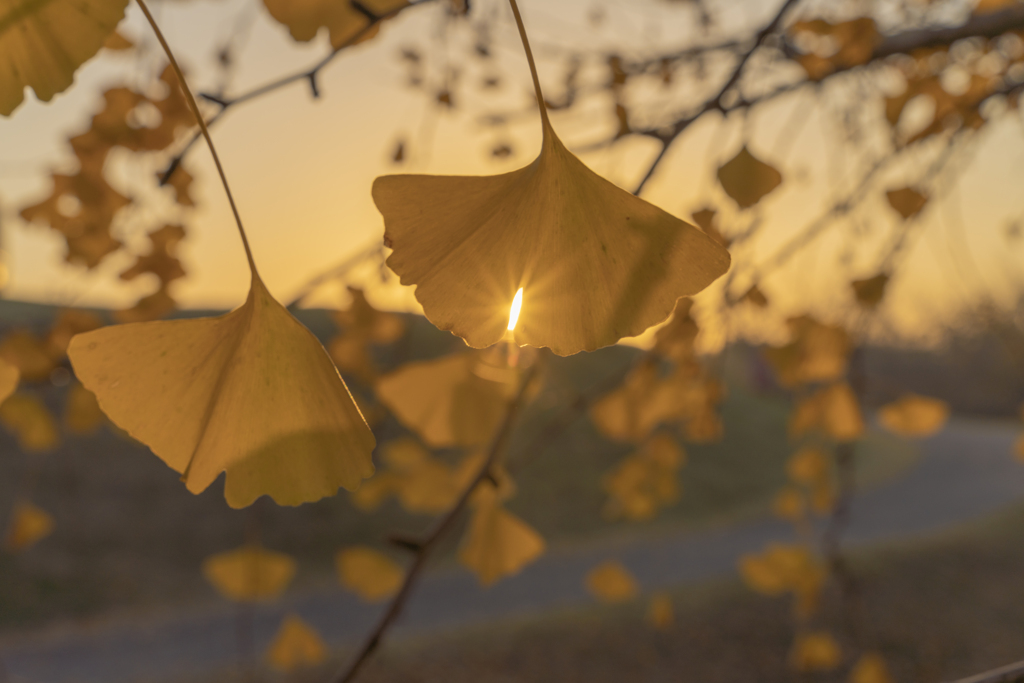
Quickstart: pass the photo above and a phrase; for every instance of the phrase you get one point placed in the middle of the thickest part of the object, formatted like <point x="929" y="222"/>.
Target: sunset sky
<point x="301" y="169"/>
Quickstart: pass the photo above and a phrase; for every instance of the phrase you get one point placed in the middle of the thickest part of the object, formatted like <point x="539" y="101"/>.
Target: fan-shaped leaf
<point x="611" y="582"/>
<point x="252" y="393"/>
<point x="497" y="543"/>
<point x="369" y="573"/>
<point x="249" y="573"/>
<point x="43" y="43"/>
<point x="296" y="644"/>
<point x="747" y="179"/>
<point x="914" y="415"/>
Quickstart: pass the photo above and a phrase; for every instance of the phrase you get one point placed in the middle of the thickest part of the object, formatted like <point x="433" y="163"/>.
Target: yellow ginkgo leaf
<point x="747" y="179"/>
<point x="456" y="400"/>
<point x="249" y="573"/>
<point x="789" y="504"/>
<point x="659" y="612"/>
<point x="817" y="352"/>
<point x="9" y="377"/>
<point x="29" y="525"/>
<point x="907" y="201"/>
<point x="808" y="466"/>
<point x="815" y="651"/>
<point x="343" y="19"/>
<point x="497" y="543"/>
<point x="31" y="421"/>
<point x="782" y="568"/>
<point x="43" y="43"/>
<point x="594" y="263"/>
<point x="914" y="415"/>
<point x="296" y="644"/>
<point x="611" y="582"/>
<point x="871" y="668"/>
<point x="82" y="414"/>
<point x="833" y="411"/>
<point x="371" y="574"/>
<point x="252" y="392"/>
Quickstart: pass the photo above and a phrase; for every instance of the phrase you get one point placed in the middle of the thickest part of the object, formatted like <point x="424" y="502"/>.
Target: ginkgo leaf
<point x="295" y="645"/>
<point x="782" y="568"/>
<point x="747" y="179"/>
<point x="808" y="466"/>
<point x="31" y="422"/>
<point x="455" y="400"/>
<point x="29" y="525"/>
<point x="870" y="291"/>
<point x="660" y="613"/>
<point x="914" y="415"/>
<point x="594" y="262"/>
<point x="815" y="651"/>
<point x="82" y="414"/>
<point x="342" y="18"/>
<point x="871" y="668"/>
<point x="497" y="543"/>
<point x="907" y="201"/>
<point x="371" y="574"/>
<point x="833" y="411"/>
<point x="252" y="393"/>
<point x="28" y="355"/>
<point x="611" y="582"/>
<point x="9" y="377"/>
<point x="43" y="43"/>
<point x="249" y="573"/>
<point x="789" y="504"/>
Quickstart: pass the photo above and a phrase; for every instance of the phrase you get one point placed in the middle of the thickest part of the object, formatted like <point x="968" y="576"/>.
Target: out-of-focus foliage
<point x="250" y="573"/>
<point x="295" y="645"/>
<point x="612" y="582"/>
<point x="369" y="573"/>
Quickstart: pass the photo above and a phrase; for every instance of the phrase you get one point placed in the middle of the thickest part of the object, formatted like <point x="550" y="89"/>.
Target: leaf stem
<point x="533" y="69"/>
<point x="202" y="126"/>
<point x="421" y="549"/>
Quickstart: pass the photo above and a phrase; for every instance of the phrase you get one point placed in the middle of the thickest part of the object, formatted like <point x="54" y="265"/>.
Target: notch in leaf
<point x="596" y="263"/>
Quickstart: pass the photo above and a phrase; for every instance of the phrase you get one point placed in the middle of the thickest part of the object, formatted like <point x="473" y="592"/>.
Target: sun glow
<point x="513" y="314"/>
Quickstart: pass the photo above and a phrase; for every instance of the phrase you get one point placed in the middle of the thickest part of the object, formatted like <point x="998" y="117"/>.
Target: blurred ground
<point x="966" y="472"/>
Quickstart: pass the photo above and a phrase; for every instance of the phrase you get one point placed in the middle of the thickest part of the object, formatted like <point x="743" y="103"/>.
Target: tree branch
<point x="1012" y="673"/>
<point x="421" y="549"/>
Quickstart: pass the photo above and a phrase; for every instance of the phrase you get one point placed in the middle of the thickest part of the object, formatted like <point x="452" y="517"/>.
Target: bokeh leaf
<point x="342" y="19"/>
<point x="369" y="573"/>
<point x="907" y="201"/>
<point x="660" y="613"/>
<point x="31" y="421"/>
<point x="82" y="414"/>
<point x="29" y="525"/>
<point x="43" y="43"/>
<point x="747" y="179"/>
<point x="249" y="573"/>
<point x="870" y="291"/>
<point x="295" y="645"/>
<point x="871" y="668"/>
<point x="815" y="651"/>
<point x="252" y="393"/>
<point x="497" y="543"/>
<point x="611" y="582"/>
<point x="914" y="415"/>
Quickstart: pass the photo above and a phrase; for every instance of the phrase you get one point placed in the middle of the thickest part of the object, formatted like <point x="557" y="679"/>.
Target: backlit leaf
<point x="456" y="400"/>
<point x="343" y="21"/>
<point x="29" y="525"/>
<point x="295" y="645"/>
<point x="815" y="651"/>
<point x="611" y="582"/>
<point x="747" y="179"/>
<point x="869" y="292"/>
<point x="497" y="543"/>
<point x="30" y="421"/>
<point x="252" y="393"/>
<point x="817" y="353"/>
<point x="907" y="201"/>
<point x="645" y="481"/>
<point x="595" y="263"/>
<point x="249" y="573"/>
<point x="914" y="415"/>
<point x="43" y="43"/>
<point x="371" y="574"/>
<point x="833" y="411"/>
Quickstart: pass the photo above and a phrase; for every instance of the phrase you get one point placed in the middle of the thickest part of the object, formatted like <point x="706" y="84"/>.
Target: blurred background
<point x="813" y="471"/>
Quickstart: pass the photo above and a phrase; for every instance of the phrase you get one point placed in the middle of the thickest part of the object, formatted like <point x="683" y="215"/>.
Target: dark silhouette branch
<point x="1012" y="673"/>
<point x="421" y="548"/>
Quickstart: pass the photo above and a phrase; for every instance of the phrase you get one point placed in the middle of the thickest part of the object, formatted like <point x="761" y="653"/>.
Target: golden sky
<point x="301" y="169"/>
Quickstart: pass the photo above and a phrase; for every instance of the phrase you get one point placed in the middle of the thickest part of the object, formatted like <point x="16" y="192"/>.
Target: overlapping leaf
<point x="252" y="393"/>
<point x="43" y="43"/>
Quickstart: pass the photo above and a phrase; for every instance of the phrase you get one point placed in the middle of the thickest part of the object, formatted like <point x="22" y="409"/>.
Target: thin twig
<point x="715" y="103"/>
<point x="309" y="74"/>
<point x="421" y="548"/>
<point x="1012" y="673"/>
